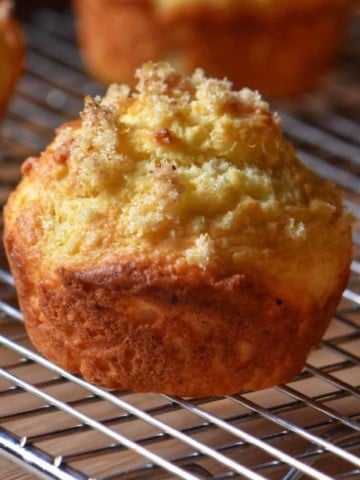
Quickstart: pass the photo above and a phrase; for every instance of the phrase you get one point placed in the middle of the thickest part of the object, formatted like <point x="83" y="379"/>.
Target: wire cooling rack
<point x="55" y="425"/>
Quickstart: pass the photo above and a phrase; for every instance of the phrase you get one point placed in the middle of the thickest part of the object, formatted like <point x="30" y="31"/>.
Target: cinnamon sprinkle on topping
<point x="28" y="165"/>
<point x="163" y="135"/>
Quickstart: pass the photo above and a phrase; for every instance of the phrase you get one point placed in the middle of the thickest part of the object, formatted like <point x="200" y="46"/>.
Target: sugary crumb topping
<point x="183" y="168"/>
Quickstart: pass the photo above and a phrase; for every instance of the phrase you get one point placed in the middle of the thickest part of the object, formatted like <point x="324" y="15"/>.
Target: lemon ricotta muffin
<point x="171" y="241"/>
<point x="11" y="53"/>
<point x="279" y="47"/>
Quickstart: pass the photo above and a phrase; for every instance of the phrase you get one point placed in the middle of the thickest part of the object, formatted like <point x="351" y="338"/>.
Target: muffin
<point x="171" y="241"/>
<point x="280" y="47"/>
<point x="11" y="54"/>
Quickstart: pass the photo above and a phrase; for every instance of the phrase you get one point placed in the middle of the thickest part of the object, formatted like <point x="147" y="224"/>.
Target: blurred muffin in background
<point x="280" y="47"/>
<point x="11" y="53"/>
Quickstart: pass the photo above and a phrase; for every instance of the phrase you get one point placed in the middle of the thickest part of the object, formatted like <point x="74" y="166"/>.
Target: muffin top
<point x="182" y="171"/>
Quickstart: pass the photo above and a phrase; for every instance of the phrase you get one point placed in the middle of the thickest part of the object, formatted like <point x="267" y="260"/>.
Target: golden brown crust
<point x="269" y="49"/>
<point x="145" y="328"/>
<point x="12" y="52"/>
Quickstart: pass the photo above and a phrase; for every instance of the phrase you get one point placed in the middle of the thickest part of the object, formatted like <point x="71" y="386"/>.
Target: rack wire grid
<point x="55" y="425"/>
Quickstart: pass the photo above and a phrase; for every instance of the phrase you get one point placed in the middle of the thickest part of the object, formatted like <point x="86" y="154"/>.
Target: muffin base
<point x="146" y="328"/>
<point x="279" y="53"/>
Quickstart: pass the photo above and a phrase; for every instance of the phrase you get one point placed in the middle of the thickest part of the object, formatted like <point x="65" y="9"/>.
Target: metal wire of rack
<point x="57" y="426"/>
